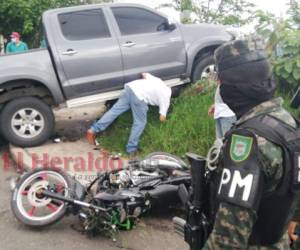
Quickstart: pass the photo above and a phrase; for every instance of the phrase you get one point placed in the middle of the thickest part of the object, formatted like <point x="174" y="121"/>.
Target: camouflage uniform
<point x="234" y="224"/>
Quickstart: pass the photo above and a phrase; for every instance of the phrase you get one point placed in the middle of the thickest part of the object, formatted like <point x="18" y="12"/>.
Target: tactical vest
<point x="274" y="208"/>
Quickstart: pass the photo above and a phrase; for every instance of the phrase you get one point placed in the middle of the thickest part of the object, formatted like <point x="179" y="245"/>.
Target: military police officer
<point x="259" y="179"/>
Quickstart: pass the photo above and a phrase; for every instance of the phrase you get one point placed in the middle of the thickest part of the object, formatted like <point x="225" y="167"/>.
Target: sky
<point x="278" y="7"/>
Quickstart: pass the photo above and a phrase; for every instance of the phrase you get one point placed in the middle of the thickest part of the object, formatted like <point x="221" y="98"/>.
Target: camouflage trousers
<point x="232" y="228"/>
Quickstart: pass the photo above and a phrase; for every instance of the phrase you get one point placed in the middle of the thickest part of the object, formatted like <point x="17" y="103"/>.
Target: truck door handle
<point x="70" y="52"/>
<point x="129" y="44"/>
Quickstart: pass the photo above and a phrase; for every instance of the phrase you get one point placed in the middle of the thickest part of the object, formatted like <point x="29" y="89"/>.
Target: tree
<point x="228" y="12"/>
<point x="24" y="16"/>
<point x="271" y="28"/>
<point x="283" y="42"/>
<point x="294" y="12"/>
<point x="179" y="5"/>
<point x="287" y="65"/>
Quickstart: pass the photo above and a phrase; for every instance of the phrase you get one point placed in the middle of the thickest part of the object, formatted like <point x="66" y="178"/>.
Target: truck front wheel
<point x="204" y="68"/>
<point x="27" y="121"/>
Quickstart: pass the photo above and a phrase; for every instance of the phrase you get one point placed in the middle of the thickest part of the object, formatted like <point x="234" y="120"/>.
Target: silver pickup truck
<point x="92" y="51"/>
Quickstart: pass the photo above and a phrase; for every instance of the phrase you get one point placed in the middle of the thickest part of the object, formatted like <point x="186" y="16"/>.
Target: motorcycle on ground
<point x="113" y="201"/>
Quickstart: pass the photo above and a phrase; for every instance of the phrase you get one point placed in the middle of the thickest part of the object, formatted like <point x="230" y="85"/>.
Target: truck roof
<point x="93" y="6"/>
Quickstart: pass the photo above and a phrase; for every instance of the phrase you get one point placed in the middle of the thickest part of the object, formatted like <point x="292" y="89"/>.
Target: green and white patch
<point x="240" y="147"/>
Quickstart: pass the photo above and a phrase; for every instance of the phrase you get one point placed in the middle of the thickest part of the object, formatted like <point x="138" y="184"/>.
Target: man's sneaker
<point x="90" y="136"/>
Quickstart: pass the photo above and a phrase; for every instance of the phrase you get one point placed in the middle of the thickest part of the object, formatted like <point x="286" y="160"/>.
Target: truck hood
<point x="195" y="33"/>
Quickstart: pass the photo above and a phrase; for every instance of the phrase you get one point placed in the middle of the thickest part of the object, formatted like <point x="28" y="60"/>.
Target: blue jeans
<point x="139" y="109"/>
<point x="223" y="124"/>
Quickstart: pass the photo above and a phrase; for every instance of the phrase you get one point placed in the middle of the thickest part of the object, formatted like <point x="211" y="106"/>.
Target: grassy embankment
<point x="188" y="128"/>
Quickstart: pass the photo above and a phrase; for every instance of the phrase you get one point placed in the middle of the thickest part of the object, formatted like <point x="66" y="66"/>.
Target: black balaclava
<point x="245" y="76"/>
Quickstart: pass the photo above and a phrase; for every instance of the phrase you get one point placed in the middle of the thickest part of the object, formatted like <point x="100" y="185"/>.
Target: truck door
<point x="89" y="54"/>
<point x="147" y="45"/>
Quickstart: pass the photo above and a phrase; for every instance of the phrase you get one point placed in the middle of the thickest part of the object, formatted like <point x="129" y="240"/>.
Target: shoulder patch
<point x="240" y="147"/>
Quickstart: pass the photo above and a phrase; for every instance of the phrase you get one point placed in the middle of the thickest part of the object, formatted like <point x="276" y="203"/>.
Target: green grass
<point x="287" y="99"/>
<point x="188" y="127"/>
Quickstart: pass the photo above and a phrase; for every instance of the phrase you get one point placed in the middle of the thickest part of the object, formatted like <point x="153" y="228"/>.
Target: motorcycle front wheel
<point x="28" y="203"/>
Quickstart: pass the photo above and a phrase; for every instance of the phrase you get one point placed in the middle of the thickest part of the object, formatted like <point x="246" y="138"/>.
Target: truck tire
<point x="204" y="68"/>
<point x="27" y="122"/>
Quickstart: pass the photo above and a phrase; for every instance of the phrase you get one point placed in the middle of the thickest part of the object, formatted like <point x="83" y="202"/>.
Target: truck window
<point x="133" y="20"/>
<point x="83" y="25"/>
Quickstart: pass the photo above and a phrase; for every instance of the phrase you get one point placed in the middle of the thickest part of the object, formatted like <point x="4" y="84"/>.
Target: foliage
<point x="270" y="27"/>
<point x="188" y="127"/>
<point x="228" y="12"/>
<point x="179" y="5"/>
<point x="24" y="16"/>
<point x="283" y="42"/>
<point x="287" y="97"/>
<point x="185" y="7"/>
<point x="294" y="12"/>
<point x="287" y="66"/>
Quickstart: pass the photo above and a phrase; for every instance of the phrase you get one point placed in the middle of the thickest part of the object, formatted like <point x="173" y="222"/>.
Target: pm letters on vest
<point x="233" y="183"/>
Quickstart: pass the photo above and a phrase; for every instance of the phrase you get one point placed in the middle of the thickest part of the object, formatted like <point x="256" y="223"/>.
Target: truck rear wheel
<point x="27" y="121"/>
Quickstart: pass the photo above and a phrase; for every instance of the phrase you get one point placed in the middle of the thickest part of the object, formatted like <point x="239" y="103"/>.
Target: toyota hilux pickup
<point x="91" y="52"/>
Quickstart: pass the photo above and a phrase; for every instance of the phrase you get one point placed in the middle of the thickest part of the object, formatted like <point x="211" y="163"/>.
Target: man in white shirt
<point x="223" y="115"/>
<point x="137" y="95"/>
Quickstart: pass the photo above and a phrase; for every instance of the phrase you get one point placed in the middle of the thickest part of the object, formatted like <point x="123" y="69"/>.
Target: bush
<point x="287" y="65"/>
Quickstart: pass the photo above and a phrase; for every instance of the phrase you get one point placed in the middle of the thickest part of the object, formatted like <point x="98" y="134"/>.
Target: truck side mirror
<point x="172" y="26"/>
<point x="166" y="26"/>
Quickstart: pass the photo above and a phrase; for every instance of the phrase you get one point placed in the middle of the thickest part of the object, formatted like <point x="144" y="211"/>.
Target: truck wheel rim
<point x="209" y="72"/>
<point x="27" y="123"/>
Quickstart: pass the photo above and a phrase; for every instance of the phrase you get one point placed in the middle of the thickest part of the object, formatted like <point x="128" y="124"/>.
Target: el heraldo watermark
<point x="88" y="162"/>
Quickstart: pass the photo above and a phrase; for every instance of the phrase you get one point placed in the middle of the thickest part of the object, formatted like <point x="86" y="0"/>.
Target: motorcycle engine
<point x="121" y="178"/>
<point x="126" y="178"/>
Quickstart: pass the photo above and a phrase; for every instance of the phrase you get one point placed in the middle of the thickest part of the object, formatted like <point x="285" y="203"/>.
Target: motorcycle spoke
<point x="52" y="207"/>
<point x="31" y="211"/>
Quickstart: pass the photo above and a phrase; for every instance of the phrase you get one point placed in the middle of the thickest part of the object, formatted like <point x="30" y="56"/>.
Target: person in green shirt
<point x="16" y="45"/>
